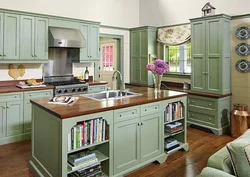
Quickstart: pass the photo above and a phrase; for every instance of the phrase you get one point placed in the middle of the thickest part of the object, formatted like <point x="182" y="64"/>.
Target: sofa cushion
<point x="212" y="172"/>
<point x="239" y="151"/>
<point x="221" y="161"/>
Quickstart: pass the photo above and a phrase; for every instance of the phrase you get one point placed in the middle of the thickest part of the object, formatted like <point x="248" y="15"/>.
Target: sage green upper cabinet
<point x="1" y="35"/>
<point x="63" y="23"/>
<point x="143" y="43"/>
<point x="11" y="36"/>
<point x="34" y="38"/>
<point x="210" y="41"/>
<point x="91" y="34"/>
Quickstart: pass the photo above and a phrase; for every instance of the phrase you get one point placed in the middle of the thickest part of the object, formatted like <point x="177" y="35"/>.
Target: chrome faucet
<point x="122" y="86"/>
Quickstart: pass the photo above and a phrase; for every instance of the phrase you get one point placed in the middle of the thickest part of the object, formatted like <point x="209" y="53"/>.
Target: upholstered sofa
<point x="231" y="160"/>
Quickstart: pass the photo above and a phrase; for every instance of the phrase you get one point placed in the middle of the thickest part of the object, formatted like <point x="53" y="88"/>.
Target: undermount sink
<point x="110" y="94"/>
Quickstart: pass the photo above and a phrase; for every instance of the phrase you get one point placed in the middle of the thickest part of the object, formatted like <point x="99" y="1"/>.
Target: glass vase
<point x="157" y="83"/>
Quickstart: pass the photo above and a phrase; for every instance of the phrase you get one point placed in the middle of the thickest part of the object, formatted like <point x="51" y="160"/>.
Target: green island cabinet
<point x="142" y="43"/>
<point x="34" y="38"/>
<point x="90" y="32"/>
<point x="210" y="57"/>
<point x="135" y="138"/>
<point x="9" y="35"/>
<point x="15" y="114"/>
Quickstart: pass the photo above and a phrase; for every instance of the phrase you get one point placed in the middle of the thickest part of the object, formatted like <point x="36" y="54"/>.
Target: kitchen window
<point x="179" y="59"/>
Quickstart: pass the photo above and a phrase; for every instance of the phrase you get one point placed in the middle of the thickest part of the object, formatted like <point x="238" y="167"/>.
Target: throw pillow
<point x="239" y="151"/>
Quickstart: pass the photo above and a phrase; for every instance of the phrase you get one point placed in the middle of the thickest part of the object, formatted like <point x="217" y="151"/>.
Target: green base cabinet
<point x="142" y="43"/>
<point x="27" y="105"/>
<point x="135" y="139"/>
<point x="211" y="113"/>
<point x="210" y="54"/>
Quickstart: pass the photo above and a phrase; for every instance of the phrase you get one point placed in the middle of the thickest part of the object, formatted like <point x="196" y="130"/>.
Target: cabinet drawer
<point x="38" y="94"/>
<point x="16" y="96"/>
<point x="151" y="108"/>
<point x="96" y="88"/>
<point x="201" y="118"/>
<point x="126" y="113"/>
<point x="201" y="102"/>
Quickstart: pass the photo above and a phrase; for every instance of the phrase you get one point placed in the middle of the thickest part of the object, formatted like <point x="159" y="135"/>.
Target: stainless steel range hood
<point x="66" y="37"/>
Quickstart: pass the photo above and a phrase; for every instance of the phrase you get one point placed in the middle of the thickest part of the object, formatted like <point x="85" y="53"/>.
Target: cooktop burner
<point x="60" y="83"/>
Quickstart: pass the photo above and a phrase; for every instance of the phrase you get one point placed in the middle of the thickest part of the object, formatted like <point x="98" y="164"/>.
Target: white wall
<point x="122" y="13"/>
<point x="170" y="12"/>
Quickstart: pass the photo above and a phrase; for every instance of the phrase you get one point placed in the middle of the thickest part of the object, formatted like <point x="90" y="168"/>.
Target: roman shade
<point x="172" y="36"/>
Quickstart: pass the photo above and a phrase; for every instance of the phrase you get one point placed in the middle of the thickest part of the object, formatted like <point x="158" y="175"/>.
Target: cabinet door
<point x="41" y="39"/>
<point x="151" y="139"/>
<point x="134" y="58"/>
<point x="94" y="42"/>
<point x="11" y="36"/>
<point x="1" y="35"/>
<point x="27" y="42"/>
<point x="2" y="120"/>
<point x="84" y="55"/>
<point x="126" y="145"/>
<point x="143" y="56"/>
<point x="213" y="55"/>
<point x="14" y="118"/>
<point x="198" y="73"/>
<point x="27" y="116"/>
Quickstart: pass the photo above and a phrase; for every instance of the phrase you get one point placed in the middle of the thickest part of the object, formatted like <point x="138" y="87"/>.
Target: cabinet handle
<point x="120" y="115"/>
<point x="141" y="123"/>
<point x="4" y="107"/>
<point x="155" y="107"/>
<point x="35" y="56"/>
<point x="145" y="109"/>
<point x="15" y="96"/>
<point x="8" y="107"/>
<point x="4" y="55"/>
<point x="209" y="104"/>
<point x="1" y="55"/>
<point x="46" y="93"/>
<point x="138" y="124"/>
<point x="204" y="73"/>
<point x="192" y="101"/>
<point x="209" y="118"/>
<point x="192" y="115"/>
<point x="133" y="113"/>
<point x="32" y="55"/>
<point x="30" y="95"/>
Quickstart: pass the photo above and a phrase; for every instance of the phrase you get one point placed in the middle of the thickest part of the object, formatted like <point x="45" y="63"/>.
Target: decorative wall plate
<point x="242" y="32"/>
<point x="242" y="66"/>
<point x="243" y="49"/>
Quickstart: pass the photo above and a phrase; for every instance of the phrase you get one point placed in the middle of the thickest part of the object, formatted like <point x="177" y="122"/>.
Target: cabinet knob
<point x="209" y="118"/>
<point x="192" y="115"/>
<point x="35" y="56"/>
<point x="8" y="107"/>
<point x="4" y="107"/>
<point x="209" y="104"/>
<point x="32" y="55"/>
<point x="141" y="123"/>
<point x="4" y="55"/>
<point x="120" y="115"/>
<point x="1" y="55"/>
<point x="138" y="124"/>
<point x="204" y="73"/>
<point x="145" y="109"/>
<point x="133" y="113"/>
<point x="155" y="107"/>
<point x="192" y="101"/>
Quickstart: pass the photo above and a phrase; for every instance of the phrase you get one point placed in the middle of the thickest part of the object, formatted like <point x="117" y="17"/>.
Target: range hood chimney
<point x="66" y="37"/>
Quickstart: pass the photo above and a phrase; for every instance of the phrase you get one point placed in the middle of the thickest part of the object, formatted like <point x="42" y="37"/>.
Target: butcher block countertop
<point x="85" y="106"/>
<point x="10" y="86"/>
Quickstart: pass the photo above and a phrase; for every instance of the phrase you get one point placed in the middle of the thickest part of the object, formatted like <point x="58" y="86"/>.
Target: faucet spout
<point x="122" y="86"/>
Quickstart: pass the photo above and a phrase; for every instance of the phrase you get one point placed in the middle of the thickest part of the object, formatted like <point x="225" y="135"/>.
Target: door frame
<point x="120" y="66"/>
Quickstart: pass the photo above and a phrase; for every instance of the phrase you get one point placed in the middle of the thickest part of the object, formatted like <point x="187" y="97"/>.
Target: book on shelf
<point x="174" y="130"/>
<point x="87" y="133"/>
<point x="171" y="143"/>
<point x="83" y="164"/>
<point x="173" y="111"/>
<point x="81" y="156"/>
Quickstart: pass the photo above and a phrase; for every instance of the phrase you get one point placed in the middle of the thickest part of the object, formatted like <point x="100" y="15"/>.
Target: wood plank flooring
<point x="14" y="157"/>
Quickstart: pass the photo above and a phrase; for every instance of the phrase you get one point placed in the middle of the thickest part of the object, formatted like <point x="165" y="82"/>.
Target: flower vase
<point x="157" y="83"/>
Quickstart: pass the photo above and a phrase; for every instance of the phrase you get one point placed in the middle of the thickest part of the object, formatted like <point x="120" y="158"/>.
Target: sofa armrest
<point x="212" y="172"/>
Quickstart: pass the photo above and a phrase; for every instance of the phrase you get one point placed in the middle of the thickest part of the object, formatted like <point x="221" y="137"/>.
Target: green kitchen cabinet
<point x="11" y="32"/>
<point x="91" y="34"/>
<point x="27" y="105"/>
<point x="1" y="34"/>
<point x="210" y="54"/>
<point x="144" y="125"/>
<point x="2" y="120"/>
<point x="210" y="113"/>
<point x="63" y="23"/>
<point x="142" y="44"/>
<point x="34" y="39"/>
<point x="11" y="118"/>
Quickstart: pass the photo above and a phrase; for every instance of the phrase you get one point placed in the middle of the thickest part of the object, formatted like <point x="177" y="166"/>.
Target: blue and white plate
<point x="243" y="49"/>
<point x="242" y="66"/>
<point x="242" y="33"/>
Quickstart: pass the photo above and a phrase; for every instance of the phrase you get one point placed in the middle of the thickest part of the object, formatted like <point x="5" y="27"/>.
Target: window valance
<point x="172" y="36"/>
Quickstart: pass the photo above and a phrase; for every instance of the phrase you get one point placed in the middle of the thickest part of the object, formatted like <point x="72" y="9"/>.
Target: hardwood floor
<point x="14" y="157"/>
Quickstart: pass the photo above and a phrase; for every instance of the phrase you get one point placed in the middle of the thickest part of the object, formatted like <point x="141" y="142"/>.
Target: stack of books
<point x="82" y="159"/>
<point x="173" y="127"/>
<point x="87" y="133"/>
<point x="94" y="170"/>
<point x="171" y="144"/>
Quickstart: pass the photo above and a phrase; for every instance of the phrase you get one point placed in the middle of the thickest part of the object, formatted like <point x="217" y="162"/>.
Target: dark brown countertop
<point x="188" y="91"/>
<point x="10" y="86"/>
<point x="86" y="106"/>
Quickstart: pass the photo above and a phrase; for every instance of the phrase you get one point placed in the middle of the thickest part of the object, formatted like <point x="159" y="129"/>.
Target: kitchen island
<point x="130" y="132"/>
